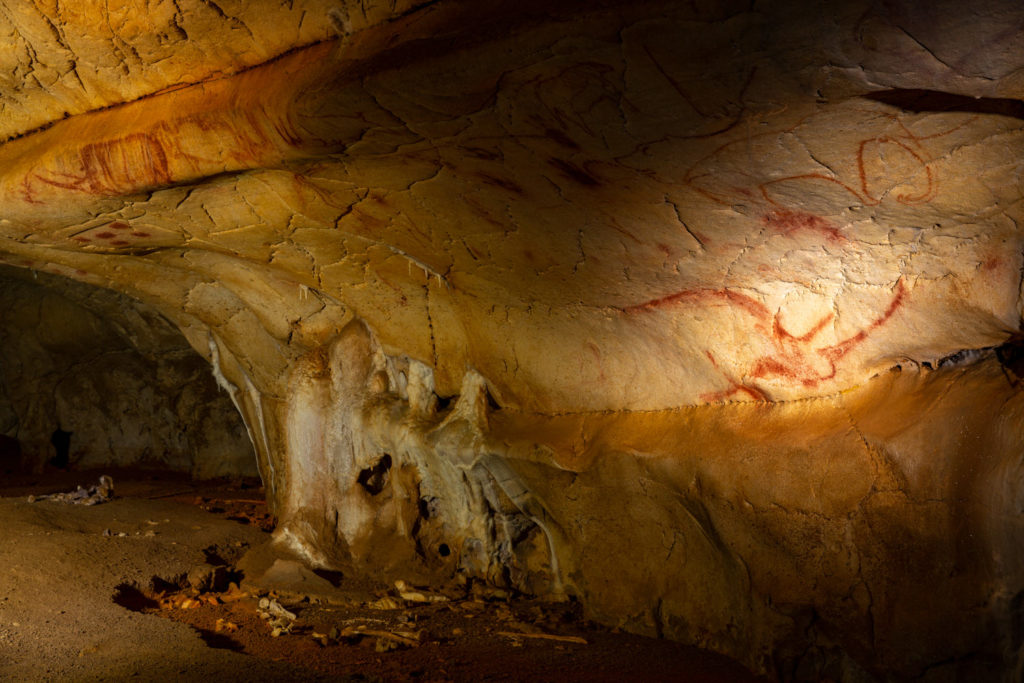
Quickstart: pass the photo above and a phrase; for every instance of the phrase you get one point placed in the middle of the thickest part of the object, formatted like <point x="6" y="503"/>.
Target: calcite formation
<point x="703" y="313"/>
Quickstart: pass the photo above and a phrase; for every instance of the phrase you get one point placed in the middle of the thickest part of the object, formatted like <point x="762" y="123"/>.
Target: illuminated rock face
<point x="638" y="301"/>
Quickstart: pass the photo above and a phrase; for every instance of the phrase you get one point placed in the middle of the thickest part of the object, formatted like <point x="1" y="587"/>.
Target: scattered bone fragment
<point x="544" y="636"/>
<point x="385" y="603"/>
<point x="277" y="617"/>
<point x="406" y="593"/>
<point x="94" y="495"/>
<point x="233" y="593"/>
<point x="385" y="640"/>
<point x="225" y="626"/>
<point x="275" y="609"/>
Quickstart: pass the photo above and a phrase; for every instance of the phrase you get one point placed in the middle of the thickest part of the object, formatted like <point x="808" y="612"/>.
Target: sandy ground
<point x="102" y="593"/>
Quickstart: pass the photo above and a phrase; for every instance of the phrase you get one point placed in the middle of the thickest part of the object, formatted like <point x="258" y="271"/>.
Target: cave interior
<point x="696" y="325"/>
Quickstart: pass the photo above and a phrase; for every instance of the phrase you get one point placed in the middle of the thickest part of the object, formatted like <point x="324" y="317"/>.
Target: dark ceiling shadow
<point x="938" y="101"/>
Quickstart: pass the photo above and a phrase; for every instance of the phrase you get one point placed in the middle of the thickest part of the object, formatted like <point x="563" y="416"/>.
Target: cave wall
<point x="116" y="376"/>
<point x="871" y="534"/>
<point x="687" y="310"/>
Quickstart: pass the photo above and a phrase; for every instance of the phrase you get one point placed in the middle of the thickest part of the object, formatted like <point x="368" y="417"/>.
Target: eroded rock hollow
<point x="705" y="314"/>
<point x="90" y="378"/>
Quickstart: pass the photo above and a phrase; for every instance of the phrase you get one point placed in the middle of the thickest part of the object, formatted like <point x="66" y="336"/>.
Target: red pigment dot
<point x="138" y="233"/>
<point x="120" y="243"/>
<point x="105" y="235"/>
<point x="118" y="225"/>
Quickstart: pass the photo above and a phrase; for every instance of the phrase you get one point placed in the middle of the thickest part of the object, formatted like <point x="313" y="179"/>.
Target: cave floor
<point x="94" y="593"/>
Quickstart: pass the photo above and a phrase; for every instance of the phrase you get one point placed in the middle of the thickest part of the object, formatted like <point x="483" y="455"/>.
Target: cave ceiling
<point x="590" y="211"/>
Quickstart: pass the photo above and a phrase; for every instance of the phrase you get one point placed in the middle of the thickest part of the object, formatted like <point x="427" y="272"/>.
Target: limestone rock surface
<point x="115" y="377"/>
<point x="689" y="309"/>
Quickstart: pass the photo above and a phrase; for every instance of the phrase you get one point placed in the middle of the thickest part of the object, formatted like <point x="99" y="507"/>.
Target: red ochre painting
<point x="801" y="359"/>
<point x="797" y="359"/>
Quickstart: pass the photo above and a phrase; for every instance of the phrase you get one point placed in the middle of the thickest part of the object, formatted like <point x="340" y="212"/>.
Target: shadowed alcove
<point x="92" y="379"/>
